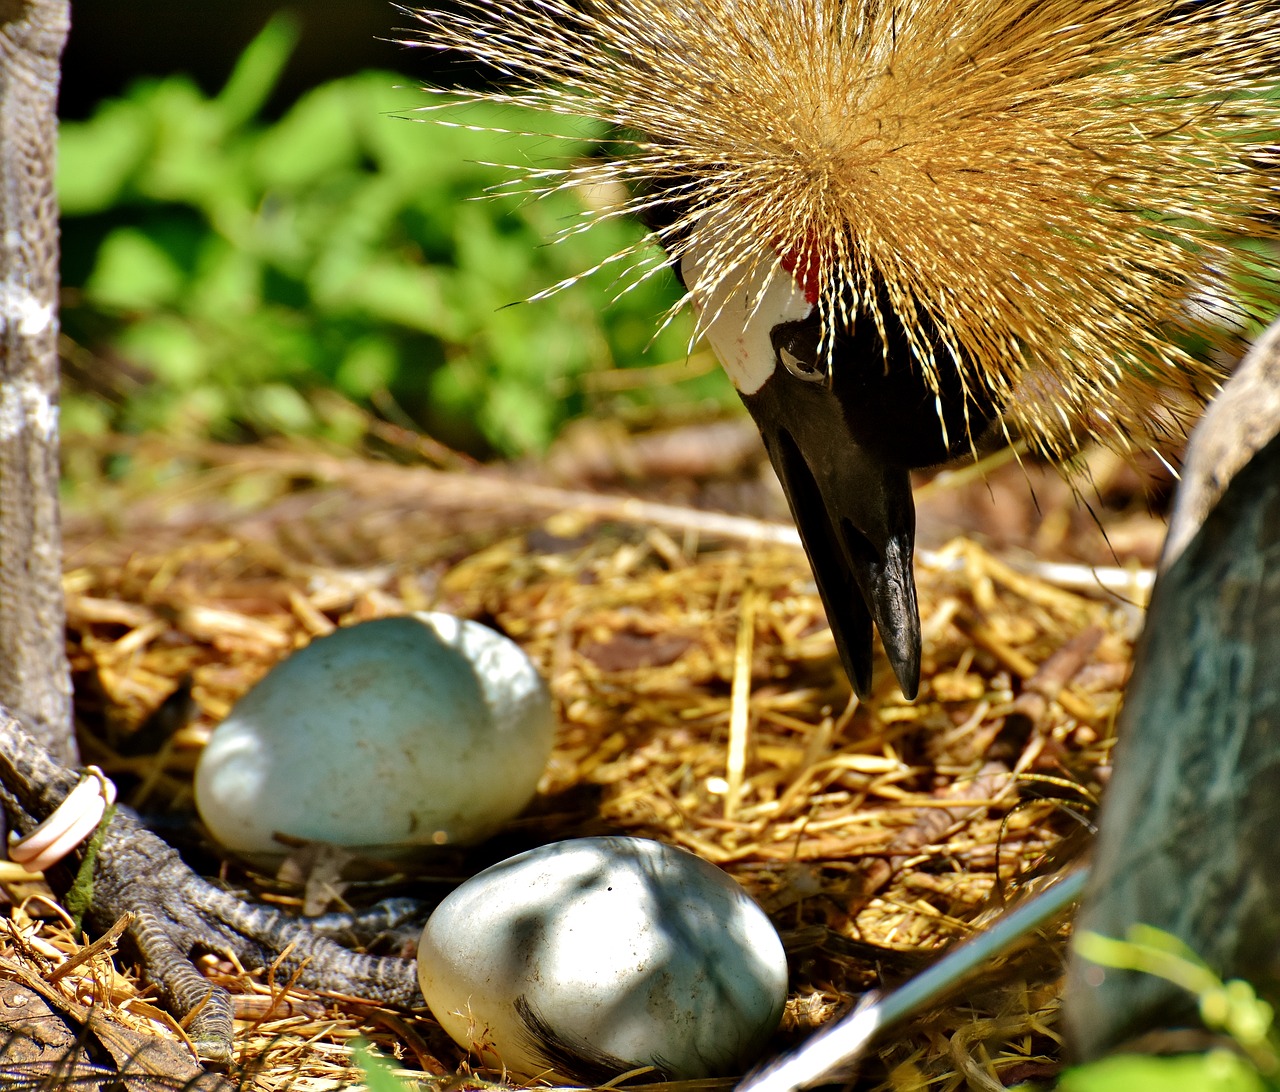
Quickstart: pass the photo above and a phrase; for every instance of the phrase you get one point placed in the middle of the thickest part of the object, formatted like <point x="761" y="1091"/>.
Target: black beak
<point x="844" y="422"/>
<point x="856" y="517"/>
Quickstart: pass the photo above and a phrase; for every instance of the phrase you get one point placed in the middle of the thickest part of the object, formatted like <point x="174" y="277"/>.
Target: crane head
<point x="843" y="423"/>
<point x="899" y="221"/>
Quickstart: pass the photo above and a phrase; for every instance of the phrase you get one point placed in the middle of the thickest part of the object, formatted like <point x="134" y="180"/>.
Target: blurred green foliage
<point x="221" y="272"/>
<point x="1214" y="1071"/>
<point x="1251" y="1063"/>
<point x="380" y="1073"/>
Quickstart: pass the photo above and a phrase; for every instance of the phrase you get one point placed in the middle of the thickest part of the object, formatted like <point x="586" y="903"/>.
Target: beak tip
<point x="902" y="647"/>
<point x="902" y="651"/>
<point x="908" y="677"/>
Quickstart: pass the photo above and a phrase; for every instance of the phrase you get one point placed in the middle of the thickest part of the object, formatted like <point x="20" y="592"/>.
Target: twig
<point x="740" y="702"/>
<point x="90" y="951"/>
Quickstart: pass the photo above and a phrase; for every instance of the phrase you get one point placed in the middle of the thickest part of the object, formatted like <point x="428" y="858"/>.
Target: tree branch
<point x="34" y="677"/>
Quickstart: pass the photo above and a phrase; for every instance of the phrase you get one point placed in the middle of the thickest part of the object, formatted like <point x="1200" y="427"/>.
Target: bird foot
<point x="175" y="914"/>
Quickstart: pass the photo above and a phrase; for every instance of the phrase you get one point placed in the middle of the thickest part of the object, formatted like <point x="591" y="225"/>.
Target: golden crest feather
<point x="1051" y="184"/>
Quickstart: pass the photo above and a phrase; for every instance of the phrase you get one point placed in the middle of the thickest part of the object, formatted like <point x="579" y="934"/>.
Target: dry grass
<point x="700" y="702"/>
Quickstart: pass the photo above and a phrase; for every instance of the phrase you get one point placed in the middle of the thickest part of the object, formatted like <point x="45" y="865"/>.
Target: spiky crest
<point x="1046" y="181"/>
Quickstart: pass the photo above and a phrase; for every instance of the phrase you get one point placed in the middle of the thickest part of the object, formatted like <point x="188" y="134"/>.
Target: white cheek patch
<point x="739" y="312"/>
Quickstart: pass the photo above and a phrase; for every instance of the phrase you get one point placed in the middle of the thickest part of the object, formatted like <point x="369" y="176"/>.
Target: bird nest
<point x="699" y="700"/>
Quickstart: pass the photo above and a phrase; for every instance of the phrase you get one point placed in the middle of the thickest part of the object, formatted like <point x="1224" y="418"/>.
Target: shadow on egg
<point x="590" y="957"/>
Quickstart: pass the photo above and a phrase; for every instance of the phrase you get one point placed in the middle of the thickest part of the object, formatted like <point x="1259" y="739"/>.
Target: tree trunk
<point x="1189" y="836"/>
<point x="34" y="677"/>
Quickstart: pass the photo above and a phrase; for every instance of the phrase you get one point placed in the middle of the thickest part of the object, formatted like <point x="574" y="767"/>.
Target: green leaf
<point x="368" y="367"/>
<point x="1216" y="1071"/>
<point x="313" y="141"/>
<point x="518" y="417"/>
<point x="280" y="408"/>
<point x="258" y="70"/>
<point x="168" y="346"/>
<point x="1233" y="1007"/>
<point x="97" y="158"/>
<point x="392" y="292"/>
<point x="134" y="272"/>
<point x="226" y="282"/>
<point x="187" y="155"/>
<point x="379" y="1073"/>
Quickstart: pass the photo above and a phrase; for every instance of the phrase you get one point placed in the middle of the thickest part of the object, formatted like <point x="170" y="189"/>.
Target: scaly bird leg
<point x="176" y="913"/>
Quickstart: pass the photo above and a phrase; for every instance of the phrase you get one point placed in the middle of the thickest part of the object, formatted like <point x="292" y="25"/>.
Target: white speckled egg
<point x="591" y="957"/>
<point x="421" y="730"/>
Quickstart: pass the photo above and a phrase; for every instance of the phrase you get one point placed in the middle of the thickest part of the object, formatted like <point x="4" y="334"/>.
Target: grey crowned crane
<point x="907" y="225"/>
<point x="904" y="224"/>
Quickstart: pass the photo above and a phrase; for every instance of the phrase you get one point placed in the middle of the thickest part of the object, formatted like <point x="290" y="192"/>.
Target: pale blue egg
<point x="400" y="733"/>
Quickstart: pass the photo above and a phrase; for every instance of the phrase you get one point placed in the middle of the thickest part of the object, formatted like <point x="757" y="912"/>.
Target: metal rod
<point x="842" y="1045"/>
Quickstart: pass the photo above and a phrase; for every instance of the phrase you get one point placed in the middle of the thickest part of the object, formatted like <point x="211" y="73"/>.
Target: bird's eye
<point x="796" y="345"/>
<point x="811" y="371"/>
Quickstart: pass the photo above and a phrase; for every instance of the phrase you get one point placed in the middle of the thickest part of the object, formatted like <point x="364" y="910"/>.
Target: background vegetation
<point x="227" y="276"/>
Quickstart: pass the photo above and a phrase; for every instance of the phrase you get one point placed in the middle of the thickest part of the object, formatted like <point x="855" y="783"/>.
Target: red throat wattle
<point x="802" y="262"/>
